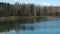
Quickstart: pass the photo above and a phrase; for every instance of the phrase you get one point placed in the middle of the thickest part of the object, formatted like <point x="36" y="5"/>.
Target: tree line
<point x="16" y="9"/>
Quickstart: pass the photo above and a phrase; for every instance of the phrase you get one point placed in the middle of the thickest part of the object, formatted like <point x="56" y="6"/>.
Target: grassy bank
<point x="15" y="18"/>
<point x="9" y="18"/>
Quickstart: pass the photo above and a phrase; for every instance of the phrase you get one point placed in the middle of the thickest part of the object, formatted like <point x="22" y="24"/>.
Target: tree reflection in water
<point x="7" y="26"/>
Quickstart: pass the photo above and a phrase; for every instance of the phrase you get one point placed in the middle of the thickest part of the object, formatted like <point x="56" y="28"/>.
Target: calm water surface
<point x="33" y="26"/>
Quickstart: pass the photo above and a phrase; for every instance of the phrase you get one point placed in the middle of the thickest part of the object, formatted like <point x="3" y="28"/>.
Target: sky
<point x="37" y="2"/>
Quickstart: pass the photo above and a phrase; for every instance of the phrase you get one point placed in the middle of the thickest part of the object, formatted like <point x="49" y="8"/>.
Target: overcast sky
<point x="39" y="2"/>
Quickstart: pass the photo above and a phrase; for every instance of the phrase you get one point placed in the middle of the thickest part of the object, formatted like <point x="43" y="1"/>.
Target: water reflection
<point x="32" y="20"/>
<point x="30" y="24"/>
<point x="7" y="26"/>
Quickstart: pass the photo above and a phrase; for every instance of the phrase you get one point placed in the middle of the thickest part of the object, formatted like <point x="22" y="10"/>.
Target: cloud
<point x="45" y="4"/>
<point x="16" y="0"/>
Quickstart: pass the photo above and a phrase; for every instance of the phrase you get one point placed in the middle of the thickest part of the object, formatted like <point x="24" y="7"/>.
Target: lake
<point x="32" y="26"/>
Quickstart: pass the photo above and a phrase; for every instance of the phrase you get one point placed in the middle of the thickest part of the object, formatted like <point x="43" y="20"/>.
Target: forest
<point x="17" y="9"/>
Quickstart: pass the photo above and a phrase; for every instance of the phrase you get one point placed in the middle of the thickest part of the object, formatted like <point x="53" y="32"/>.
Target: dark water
<point x="32" y="26"/>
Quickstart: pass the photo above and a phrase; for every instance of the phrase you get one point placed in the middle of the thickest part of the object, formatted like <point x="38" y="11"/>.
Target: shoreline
<point x="16" y="18"/>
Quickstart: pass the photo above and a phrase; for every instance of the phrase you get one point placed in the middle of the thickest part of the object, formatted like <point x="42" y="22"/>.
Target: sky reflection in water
<point x="46" y="26"/>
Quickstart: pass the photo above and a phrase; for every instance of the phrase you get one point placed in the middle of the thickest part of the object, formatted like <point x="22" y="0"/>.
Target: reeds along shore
<point x="18" y="18"/>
